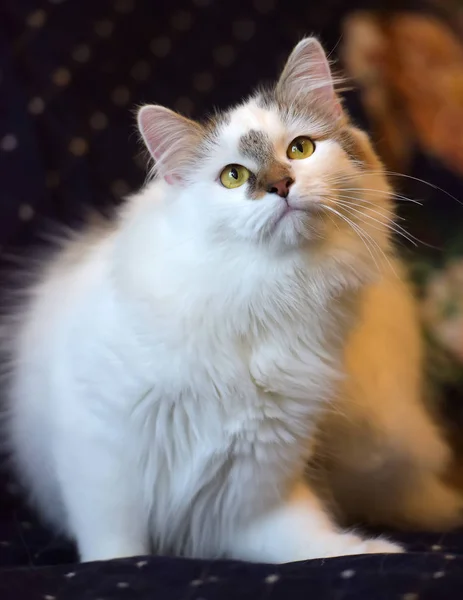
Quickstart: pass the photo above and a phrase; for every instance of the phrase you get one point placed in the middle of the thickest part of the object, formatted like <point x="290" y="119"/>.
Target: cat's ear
<point x="307" y="74"/>
<point x="171" y="140"/>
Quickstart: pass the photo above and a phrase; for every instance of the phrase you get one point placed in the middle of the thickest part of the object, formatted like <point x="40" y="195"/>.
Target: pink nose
<point x="281" y="187"/>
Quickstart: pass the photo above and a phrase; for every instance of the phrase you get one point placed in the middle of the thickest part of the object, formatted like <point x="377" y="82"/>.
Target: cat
<point x="169" y="368"/>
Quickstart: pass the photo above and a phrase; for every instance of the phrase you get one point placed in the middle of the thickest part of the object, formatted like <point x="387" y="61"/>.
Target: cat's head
<point x="284" y="168"/>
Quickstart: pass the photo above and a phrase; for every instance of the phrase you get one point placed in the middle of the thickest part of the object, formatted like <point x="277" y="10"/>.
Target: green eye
<point x="234" y="176"/>
<point x="300" y="147"/>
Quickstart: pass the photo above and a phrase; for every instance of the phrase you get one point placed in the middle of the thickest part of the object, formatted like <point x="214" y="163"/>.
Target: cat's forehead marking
<point x="257" y="145"/>
<point x="252" y="118"/>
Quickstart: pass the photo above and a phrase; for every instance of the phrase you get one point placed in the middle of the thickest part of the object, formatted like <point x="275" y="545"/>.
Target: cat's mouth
<point x="298" y="216"/>
<point x="286" y="210"/>
<point x="298" y="208"/>
<point x="291" y="210"/>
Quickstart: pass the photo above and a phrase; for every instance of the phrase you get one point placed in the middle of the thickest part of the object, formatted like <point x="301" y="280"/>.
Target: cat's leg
<point x="389" y="470"/>
<point x="383" y="457"/>
<point x="422" y="458"/>
<point x="105" y="514"/>
<point x="300" y="529"/>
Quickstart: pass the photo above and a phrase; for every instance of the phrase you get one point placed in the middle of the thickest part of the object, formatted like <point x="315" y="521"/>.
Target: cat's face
<point x="277" y="169"/>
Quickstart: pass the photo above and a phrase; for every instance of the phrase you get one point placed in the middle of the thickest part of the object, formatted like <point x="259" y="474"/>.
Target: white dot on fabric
<point x="25" y="212"/>
<point x="37" y="18"/>
<point x="70" y="575"/>
<point x="244" y="30"/>
<point x="120" y="96"/>
<point x="161" y="46"/>
<point x="141" y="563"/>
<point x="104" y="28"/>
<point x="347" y="574"/>
<point x="271" y="579"/>
<point x="184" y="105"/>
<point x="438" y="574"/>
<point x="98" y="121"/>
<point x="124" y="6"/>
<point x="196" y="583"/>
<point x="264" y="6"/>
<point x="36" y="106"/>
<point x="81" y="53"/>
<point x="78" y="146"/>
<point x="9" y="142"/>
<point x="61" y="77"/>
<point x="181" y="20"/>
<point x="224" y="55"/>
<point x="436" y="547"/>
<point x="410" y="596"/>
<point x="52" y="179"/>
<point x="203" y="82"/>
<point x="141" y="70"/>
<point x="49" y="597"/>
<point x="450" y="556"/>
<point x="123" y="585"/>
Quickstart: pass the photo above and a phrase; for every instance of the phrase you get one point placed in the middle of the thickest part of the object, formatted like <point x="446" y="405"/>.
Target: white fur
<point x="168" y="371"/>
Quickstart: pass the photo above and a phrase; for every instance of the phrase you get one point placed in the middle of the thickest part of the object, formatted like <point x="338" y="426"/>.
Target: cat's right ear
<point x="307" y="74"/>
<point x="171" y="140"/>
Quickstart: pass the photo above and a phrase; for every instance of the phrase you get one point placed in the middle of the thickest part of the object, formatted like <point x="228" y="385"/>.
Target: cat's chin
<point x="294" y="226"/>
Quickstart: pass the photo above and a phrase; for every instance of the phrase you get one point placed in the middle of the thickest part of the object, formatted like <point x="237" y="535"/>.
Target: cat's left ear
<point x="171" y="139"/>
<point x="307" y="74"/>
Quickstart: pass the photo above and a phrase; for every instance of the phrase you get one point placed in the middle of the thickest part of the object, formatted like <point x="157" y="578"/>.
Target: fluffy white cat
<point x="169" y="367"/>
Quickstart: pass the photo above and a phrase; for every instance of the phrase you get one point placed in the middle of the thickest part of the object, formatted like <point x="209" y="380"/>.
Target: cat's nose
<point x="281" y="187"/>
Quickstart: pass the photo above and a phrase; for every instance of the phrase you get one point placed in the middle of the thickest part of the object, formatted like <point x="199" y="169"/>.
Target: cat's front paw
<point x="352" y="544"/>
<point x="379" y="546"/>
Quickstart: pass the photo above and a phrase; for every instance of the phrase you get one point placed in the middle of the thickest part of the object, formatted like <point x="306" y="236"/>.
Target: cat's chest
<point x="295" y="360"/>
<point x="215" y="366"/>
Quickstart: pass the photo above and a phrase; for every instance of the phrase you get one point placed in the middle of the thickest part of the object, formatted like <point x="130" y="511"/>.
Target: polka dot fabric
<point x="429" y="571"/>
<point x="36" y="566"/>
<point x="71" y="73"/>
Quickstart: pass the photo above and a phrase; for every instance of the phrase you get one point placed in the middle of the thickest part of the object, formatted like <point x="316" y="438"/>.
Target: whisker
<point x="361" y="202"/>
<point x="393" y="195"/>
<point x="369" y="203"/>
<point x="354" y="228"/>
<point x="397" y="228"/>
<point x="367" y="210"/>
<point x="359" y="229"/>
<point x="411" y="177"/>
<point x="394" y="227"/>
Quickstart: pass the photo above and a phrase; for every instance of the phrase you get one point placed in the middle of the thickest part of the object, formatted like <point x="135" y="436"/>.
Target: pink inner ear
<point x="169" y="137"/>
<point x="308" y="73"/>
<point x="148" y="132"/>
